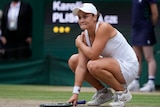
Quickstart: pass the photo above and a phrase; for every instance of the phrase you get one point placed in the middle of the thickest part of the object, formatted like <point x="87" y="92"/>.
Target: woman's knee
<point x="92" y="66"/>
<point x="96" y="69"/>
<point x="72" y="62"/>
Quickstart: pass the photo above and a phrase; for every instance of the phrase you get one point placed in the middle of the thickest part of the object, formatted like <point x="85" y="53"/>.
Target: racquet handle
<point x="81" y="102"/>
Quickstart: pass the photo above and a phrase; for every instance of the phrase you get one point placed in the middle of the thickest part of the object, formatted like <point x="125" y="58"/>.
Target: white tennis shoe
<point x="101" y="97"/>
<point x="120" y="98"/>
<point x="134" y="86"/>
<point x="148" y="87"/>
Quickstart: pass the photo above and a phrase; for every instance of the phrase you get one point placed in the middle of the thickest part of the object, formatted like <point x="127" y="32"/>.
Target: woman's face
<point x="86" y="20"/>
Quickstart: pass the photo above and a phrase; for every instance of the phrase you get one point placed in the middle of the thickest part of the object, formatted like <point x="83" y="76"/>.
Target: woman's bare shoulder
<point x="105" y="26"/>
<point x="106" y="29"/>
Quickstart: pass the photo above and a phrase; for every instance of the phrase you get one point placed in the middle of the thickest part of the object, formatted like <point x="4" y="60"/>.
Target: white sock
<point x="151" y="79"/>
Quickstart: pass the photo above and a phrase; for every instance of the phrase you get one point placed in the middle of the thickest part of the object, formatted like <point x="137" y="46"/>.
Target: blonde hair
<point x="98" y="14"/>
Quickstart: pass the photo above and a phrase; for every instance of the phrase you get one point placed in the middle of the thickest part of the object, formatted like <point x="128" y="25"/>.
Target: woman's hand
<point x="79" y="39"/>
<point x="73" y="99"/>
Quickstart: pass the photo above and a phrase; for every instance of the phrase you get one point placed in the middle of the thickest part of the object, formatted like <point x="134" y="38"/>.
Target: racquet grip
<point x="81" y="102"/>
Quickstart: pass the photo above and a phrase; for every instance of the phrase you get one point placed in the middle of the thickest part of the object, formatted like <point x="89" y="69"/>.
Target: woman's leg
<point x="149" y="56"/>
<point x="73" y="62"/>
<point x="102" y="95"/>
<point x="108" y="71"/>
<point x="139" y="52"/>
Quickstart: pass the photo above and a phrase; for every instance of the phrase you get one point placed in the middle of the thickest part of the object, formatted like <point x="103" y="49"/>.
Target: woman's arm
<point x="80" y="73"/>
<point x="81" y="69"/>
<point x="103" y="34"/>
<point x="154" y="12"/>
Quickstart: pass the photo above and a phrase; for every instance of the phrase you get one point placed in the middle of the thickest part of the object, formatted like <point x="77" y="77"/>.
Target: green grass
<point x="36" y="92"/>
<point x="55" y="94"/>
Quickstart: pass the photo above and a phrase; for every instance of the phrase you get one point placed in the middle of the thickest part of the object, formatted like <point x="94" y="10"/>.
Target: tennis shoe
<point x="148" y="87"/>
<point x="134" y="85"/>
<point x="101" y="97"/>
<point x="120" y="98"/>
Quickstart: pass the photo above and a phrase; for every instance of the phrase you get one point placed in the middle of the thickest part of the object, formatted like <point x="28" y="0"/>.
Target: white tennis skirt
<point x="129" y="70"/>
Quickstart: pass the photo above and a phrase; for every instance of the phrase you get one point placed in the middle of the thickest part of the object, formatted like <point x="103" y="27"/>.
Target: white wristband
<point x="76" y="90"/>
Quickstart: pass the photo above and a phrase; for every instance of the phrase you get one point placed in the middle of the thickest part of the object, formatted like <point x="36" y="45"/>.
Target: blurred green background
<point x="50" y="50"/>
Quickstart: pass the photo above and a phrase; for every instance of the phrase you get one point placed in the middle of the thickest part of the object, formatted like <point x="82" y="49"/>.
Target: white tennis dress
<point x="118" y="48"/>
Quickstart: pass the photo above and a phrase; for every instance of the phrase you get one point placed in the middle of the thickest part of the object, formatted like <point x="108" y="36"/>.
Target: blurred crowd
<point x="16" y="30"/>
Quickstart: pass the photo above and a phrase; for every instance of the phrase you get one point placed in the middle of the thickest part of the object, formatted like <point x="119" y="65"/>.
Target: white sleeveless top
<point x="117" y="47"/>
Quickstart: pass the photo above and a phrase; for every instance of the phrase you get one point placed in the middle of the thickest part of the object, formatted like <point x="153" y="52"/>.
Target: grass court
<point x="34" y="95"/>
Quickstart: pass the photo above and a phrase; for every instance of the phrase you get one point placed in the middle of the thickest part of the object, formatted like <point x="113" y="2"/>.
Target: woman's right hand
<point x="73" y="99"/>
